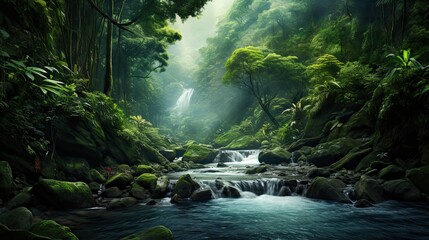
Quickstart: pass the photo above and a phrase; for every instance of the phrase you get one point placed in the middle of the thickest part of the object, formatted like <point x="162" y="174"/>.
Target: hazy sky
<point x="195" y="32"/>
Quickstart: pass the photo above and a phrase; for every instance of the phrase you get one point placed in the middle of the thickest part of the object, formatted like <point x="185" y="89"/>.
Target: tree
<point x="261" y="72"/>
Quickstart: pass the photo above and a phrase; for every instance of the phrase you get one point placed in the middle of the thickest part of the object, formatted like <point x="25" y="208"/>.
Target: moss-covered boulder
<point x="230" y="192"/>
<point x="63" y="195"/>
<point x="319" y="172"/>
<point x="120" y="180"/>
<point x="199" y="154"/>
<point x="351" y="160"/>
<point x="112" y="192"/>
<point x="185" y="186"/>
<point x="121" y="203"/>
<point x="154" y="233"/>
<point x="328" y="153"/>
<point x="161" y="187"/>
<point x="140" y="169"/>
<point x="391" y="172"/>
<point x="420" y="178"/>
<point x="96" y="176"/>
<point x="147" y="180"/>
<point x="256" y="170"/>
<point x="7" y="233"/>
<point x="244" y="142"/>
<point x="18" y="218"/>
<point x="369" y="189"/>
<point x="53" y="230"/>
<point x="139" y="192"/>
<point x="327" y="189"/>
<point x="402" y="189"/>
<point x="22" y="199"/>
<point x="170" y="155"/>
<point x="276" y="156"/>
<point x="6" y="179"/>
<point x="76" y="169"/>
<point x="202" y="194"/>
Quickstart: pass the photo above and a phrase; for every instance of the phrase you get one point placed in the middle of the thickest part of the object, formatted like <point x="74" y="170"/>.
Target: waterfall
<point x="248" y="156"/>
<point x="184" y="100"/>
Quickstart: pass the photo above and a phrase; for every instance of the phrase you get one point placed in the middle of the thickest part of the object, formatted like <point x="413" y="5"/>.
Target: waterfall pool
<point x="263" y="217"/>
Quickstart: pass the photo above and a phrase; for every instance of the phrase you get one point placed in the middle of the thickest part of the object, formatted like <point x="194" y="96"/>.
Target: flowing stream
<point x="258" y="214"/>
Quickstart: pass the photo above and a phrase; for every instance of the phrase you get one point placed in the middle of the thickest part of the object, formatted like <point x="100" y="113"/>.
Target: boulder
<point x="402" y="189"/>
<point x="139" y="192"/>
<point x="18" y="218"/>
<point x="22" y="199"/>
<point x="124" y="168"/>
<point x="185" y="186"/>
<point x="121" y="203"/>
<point x="419" y="177"/>
<point x="319" y="172"/>
<point x="154" y="233"/>
<point x="309" y="142"/>
<point x="6" y="179"/>
<point x="120" y="180"/>
<point x="327" y="189"/>
<point x="199" y="154"/>
<point x="143" y="169"/>
<point x="7" y="233"/>
<point x="285" y="191"/>
<point x="53" y="230"/>
<point x="202" y="194"/>
<point x="351" y="160"/>
<point x="230" y="192"/>
<point x="256" y="170"/>
<point x="170" y="155"/>
<point x="179" y="151"/>
<point x="96" y="176"/>
<point x="112" y="192"/>
<point x="63" y="195"/>
<point x="276" y="156"/>
<point x="94" y="186"/>
<point x="379" y="164"/>
<point x="176" y="199"/>
<point x="362" y="203"/>
<point x="391" y="172"/>
<point x="229" y="156"/>
<point x="75" y="168"/>
<point x="221" y="165"/>
<point x="370" y="190"/>
<point x="161" y="187"/>
<point x="328" y="153"/>
<point x="244" y="142"/>
<point x="148" y="181"/>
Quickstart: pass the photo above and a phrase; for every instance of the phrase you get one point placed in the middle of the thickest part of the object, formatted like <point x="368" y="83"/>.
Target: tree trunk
<point x="108" y="78"/>
<point x="266" y="110"/>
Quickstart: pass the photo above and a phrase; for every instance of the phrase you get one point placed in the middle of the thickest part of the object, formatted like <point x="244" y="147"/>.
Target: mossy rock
<point x="153" y="233"/>
<point x="161" y="187"/>
<point x="139" y="192"/>
<point x="391" y="172"/>
<point x="97" y="176"/>
<point x="185" y="186"/>
<point x="124" y="168"/>
<point x="244" y="142"/>
<point x="7" y="233"/>
<point x="328" y="153"/>
<point x="327" y="189"/>
<point x="140" y="169"/>
<point x="319" y="172"/>
<point x="402" y="189"/>
<point x="369" y="189"/>
<point x="18" y="218"/>
<point x="120" y="180"/>
<point x="6" y="179"/>
<point x="63" y="195"/>
<point x="170" y="155"/>
<point x="351" y="160"/>
<point x="53" y="230"/>
<point x="420" y="178"/>
<point x="202" y="194"/>
<point x="256" y="170"/>
<point x="147" y="180"/>
<point x="22" y="199"/>
<point x="76" y="168"/>
<point x="121" y="203"/>
<point x="200" y="154"/>
<point x="276" y="156"/>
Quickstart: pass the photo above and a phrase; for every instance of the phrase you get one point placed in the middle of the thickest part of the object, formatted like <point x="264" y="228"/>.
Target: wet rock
<point x="199" y="154"/>
<point x="148" y="181"/>
<point x="121" y="203"/>
<point x="285" y="191"/>
<point x="402" y="189"/>
<point x="112" y="192"/>
<point x="161" y="187"/>
<point x="256" y="170"/>
<point x="328" y="153"/>
<point x="6" y="179"/>
<point x="391" y="172"/>
<point x="370" y="190"/>
<point x="180" y="151"/>
<point x="229" y="156"/>
<point x="221" y="165"/>
<point x="143" y="169"/>
<point x="96" y="176"/>
<point x="275" y="156"/>
<point x="319" y="172"/>
<point x="154" y="233"/>
<point x="63" y="195"/>
<point x="230" y="192"/>
<point x="327" y="189"/>
<point x="351" y="160"/>
<point x="176" y="199"/>
<point x="18" y="218"/>
<point x="362" y="203"/>
<point x="53" y="230"/>
<point x="419" y="177"/>
<point x="120" y="180"/>
<point x="22" y="199"/>
<point x="185" y="186"/>
<point x="170" y="155"/>
<point x="139" y="192"/>
<point x="7" y="233"/>
<point x="94" y="186"/>
<point x="202" y="194"/>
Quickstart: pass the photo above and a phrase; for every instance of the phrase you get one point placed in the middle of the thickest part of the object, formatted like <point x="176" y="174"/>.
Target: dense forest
<point x="89" y="103"/>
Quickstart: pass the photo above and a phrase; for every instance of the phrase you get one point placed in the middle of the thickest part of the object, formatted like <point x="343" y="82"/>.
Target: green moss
<point x="7" y="233"/>
<point x="143" y="169"/>
<point x="185" y="186"/>
<point x="147" y="180"/>
<point x="97" y="176"/>
<point x="120" y="180"/>
<point x="244" y="142"/>
<point x="154" y="233"/>
<point x="199" y="154"/>
<point x="52" y="229"/>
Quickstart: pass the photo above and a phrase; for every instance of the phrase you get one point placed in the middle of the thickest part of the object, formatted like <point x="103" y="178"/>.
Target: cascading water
<point x="184" y="100"/>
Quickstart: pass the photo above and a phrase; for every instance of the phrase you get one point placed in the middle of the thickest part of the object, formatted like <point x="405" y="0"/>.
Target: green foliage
<point x="404" y="62"/>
